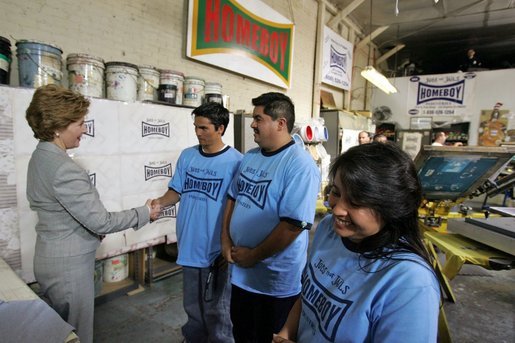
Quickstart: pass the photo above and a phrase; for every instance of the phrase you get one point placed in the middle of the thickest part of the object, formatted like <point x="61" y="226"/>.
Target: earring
<point x="57" y="134"/>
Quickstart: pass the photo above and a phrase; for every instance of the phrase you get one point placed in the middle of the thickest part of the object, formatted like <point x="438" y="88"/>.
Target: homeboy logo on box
<point x="209" y="187"/>
<point x="93" y="179"/>
<point x="258" y="40"/>
<point x="338" y="60"/>
<point x="451" y="92"/>
<point x="148" y="129"/>
<point x="151" y="172"/>
<point x="168" y="212"/>
<point x="328" y="308"/>
<point x="90" y="127"/>
<point x="256" y="191"/>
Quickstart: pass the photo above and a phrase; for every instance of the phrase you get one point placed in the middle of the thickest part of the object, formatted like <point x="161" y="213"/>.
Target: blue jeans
<point x="207" y="305"/>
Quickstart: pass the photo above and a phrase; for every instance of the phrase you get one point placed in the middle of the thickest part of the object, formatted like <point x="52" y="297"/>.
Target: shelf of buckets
<point x="40" y="64"/>
<point x="311" y="135"/>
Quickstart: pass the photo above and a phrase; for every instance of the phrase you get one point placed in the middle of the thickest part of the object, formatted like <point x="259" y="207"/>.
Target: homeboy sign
<point x="244" y="36"/>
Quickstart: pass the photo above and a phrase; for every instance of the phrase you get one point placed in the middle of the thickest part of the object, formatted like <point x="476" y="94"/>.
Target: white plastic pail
<point x="86" y="74"/>
<point x="172" y="77"/>
<point x="213" y="92"/>
<point x="39" y="63"/>
<point x="193" y="91"/>
<point x="148" y="82"/>
<point x="121" y="81"/>
<point x="116" y="268"/>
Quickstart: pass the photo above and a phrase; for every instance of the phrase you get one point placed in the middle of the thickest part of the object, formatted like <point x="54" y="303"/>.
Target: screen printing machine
<point x="451" y="178"/>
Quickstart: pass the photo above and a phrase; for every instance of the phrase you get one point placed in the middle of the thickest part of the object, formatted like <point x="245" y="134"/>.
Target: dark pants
<point x="256" y="317"/>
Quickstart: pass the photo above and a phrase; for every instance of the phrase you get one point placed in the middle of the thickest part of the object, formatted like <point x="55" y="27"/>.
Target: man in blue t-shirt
<point x="202" y="176"/>
<point x="270" y="208"/>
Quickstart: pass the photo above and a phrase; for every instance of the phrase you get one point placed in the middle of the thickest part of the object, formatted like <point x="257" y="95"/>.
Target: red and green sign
<point x="226" y="34"/>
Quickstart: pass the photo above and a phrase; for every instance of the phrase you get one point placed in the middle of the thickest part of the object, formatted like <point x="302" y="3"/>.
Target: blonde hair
<point x="54" y="108"/>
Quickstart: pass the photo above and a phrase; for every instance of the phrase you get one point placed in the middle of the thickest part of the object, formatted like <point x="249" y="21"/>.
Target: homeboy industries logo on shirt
<point x="328" y="308"/>
<point x="256" y="191"/>
<point x="209" y="187"/>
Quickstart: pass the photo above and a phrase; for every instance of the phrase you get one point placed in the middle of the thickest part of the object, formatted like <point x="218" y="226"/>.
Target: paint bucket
<point x="193" y="91"/>
<point x="167" y="93"/>
<point x="213" y="92"/>
<point x="116" y="268"/>
<point x="86" y="74"/>
<point x="172" y="77"/>
<point x="121" y="81"/>
<point x="39" y="63"/>
<point x="97" y="279"/>
<point x="306" y="132"/>
<point x="148" y="83"/>
<point x="5" y="60"/>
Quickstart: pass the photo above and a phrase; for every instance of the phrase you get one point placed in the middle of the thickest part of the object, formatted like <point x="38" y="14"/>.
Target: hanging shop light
<point x="378" y="80"/>
<point x="371" y="74"/>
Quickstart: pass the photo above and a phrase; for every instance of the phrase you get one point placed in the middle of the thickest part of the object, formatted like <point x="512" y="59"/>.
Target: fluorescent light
<point x="378" y="79"/>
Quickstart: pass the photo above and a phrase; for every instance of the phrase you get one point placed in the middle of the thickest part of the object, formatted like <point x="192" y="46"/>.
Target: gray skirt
<point x="67" y="285"/>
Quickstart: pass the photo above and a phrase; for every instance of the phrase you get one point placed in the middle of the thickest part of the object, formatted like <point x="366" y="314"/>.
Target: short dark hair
<point x="215" y="112"/>
<point x="53" y="108"/>
<point x="277" y="105"/>
<point x="383" y="178"/>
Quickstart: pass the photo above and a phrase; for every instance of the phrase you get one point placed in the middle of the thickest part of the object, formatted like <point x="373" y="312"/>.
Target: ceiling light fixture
<point x="371" y="74"/>
<point x="378" y="80"/>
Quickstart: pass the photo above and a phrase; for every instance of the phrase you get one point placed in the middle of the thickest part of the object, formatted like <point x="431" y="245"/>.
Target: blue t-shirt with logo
<point x="202" y="180"/>
<point x="388" y="301"/>
<point x="269" y="188"/>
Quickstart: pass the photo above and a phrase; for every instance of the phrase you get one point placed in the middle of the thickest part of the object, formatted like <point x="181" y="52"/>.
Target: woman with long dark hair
<point x="369" y="277"/>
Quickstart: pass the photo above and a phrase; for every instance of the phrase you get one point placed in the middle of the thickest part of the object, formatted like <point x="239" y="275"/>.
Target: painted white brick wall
<point x="153" y="32"/>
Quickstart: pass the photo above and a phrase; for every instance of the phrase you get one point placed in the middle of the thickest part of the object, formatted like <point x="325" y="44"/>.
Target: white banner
<point x="336" y="60"/>
<point x="441" y="95"/>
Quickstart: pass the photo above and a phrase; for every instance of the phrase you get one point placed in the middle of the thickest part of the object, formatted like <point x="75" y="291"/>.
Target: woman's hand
<point x="154" y="208"/>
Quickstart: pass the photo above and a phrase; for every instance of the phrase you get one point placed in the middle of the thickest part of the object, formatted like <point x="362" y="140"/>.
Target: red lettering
<point x="227" y="23"/>
<point x="274" y="47"/>
<point x="283" y="42"/>
<point x="263" y="46"/>
<point x="212" y="18"/>
<point x="242" y="31"/>
<point x="255" y="36"/>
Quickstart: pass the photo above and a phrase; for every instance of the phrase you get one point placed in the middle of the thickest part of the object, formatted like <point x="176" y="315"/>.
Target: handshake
<point x="155" y="208"/>
<point x="156" y="205"/>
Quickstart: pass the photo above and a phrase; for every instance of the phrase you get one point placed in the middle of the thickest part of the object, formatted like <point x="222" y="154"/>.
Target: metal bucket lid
<point x="194" y="79"/>
<point x="80" y="57"/>
<point x="169" y="71"/>
<point x="145" y="68"/>
<point x="121" y="64"/>
<point x="33" y="41"/>
<point x="5" y="40"/>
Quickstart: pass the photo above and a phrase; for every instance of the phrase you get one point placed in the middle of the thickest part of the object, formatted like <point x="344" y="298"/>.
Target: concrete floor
<point x="484" y="311"/>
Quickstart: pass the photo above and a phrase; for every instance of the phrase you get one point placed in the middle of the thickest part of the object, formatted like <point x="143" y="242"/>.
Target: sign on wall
<point x="244" y="36"/>
<point x="441" y="95"/>
<point x="337" y="60"/>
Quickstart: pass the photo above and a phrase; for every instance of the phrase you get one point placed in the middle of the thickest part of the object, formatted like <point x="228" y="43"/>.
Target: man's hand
<point x="244" y="257"/>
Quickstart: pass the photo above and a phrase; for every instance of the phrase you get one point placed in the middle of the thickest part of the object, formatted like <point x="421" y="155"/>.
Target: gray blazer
<point x="71" y="215"/>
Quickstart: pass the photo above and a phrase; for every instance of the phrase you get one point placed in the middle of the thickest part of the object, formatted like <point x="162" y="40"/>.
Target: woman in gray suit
<point x="71" y="216"/>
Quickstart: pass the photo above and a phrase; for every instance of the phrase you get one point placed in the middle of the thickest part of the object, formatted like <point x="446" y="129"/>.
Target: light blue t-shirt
<point x="269" y="188"/>
<point x="392" y="301"/>
<point x="202" y="180"/>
